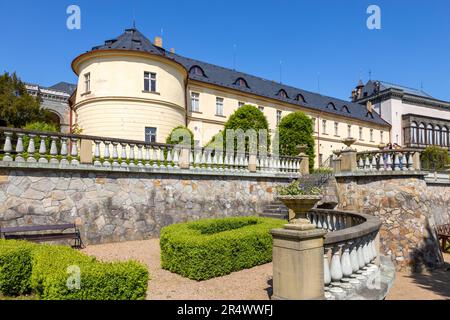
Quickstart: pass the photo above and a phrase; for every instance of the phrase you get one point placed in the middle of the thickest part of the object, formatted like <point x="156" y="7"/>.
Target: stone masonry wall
<point x="125" y="206"/>
<point x="409" y="210"/>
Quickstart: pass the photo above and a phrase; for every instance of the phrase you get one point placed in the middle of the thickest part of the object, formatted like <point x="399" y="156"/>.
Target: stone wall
<point x="126" y="206"/>
<point x="409" y="210"/>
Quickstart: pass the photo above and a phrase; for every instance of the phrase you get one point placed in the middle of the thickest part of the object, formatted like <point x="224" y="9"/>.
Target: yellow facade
<point x="114" y="104"/>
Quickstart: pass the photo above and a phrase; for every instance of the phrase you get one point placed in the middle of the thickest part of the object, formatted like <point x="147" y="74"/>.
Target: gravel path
<point x="250" y="284"/>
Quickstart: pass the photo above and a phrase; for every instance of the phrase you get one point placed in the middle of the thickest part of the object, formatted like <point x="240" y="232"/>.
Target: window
<point x="371" y="135"/>
<point x="261" y="108"/>
<point x="349" y="130"/>
<point x="240" y="82"/>
<point x="87" y="82"/>
<point x="336" y="128"/>
<point x="282" y="94"/>
<point x="421" y="133"/>
<point x="360" y="133"/>
<point x="429" y="134"/>
<point x="331" y="105"/>
<point x="301" y="98"/>
<point x="150" y="134"/>
<point x="195" y="101"/>
<point x="320" y="159"/>
<point x="149" y="81"/>
<point x="197" y="71"/>
<point x="313" y="120"/>
<point x="381" y="136"/>
<point x="413" y="133"/>
<point x="437" y="135"/>
<point x="444" y="136"/>
<point x="219" y="106"/>
<point x="278" y="116"/>
<point x="240" y="104"/>
<point x="324" y="126"/>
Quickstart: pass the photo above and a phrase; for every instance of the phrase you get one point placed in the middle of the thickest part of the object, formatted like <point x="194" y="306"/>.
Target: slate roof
<point x="64" y="87"/>
<point x="370" y="89"/>
<point x="132" y="39"/>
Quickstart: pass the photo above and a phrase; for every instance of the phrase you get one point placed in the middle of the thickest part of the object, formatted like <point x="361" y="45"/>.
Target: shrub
<point x="179" y="135"/>
<point x="210" y="248"/>
<point x="15" y="267"/>
<point x="434" y="158"/>
<point x="43" y="269"/>
<point x="296" y="129"/>
<point x="40" y="126"/>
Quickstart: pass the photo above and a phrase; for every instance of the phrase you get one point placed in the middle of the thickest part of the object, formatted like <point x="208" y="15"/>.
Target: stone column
<point x="184" y="158"/>
<point x="416" y="161"/>
<point x="304" y="164"/>
<point x="86" y="151"/>
<point x="298" y="264"/>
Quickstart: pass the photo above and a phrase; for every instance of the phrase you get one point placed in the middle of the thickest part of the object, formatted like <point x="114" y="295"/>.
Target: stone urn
<point x="349" y="142"/>
<point x="300" y="206"/>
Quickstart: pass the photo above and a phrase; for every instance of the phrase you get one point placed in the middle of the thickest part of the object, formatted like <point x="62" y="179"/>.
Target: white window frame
<point x="219" y="106"/>
<point x="195" y="97"/>
<point x="150" y="77"/>
<point x="87" y="82"/>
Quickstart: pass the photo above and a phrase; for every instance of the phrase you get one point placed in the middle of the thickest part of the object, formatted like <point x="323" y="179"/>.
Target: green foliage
<point x="245" y="118"/>
<point x="434" y="158"/>
<point x="45" y="270"/>
<point x="296" y="129"/>
<point x="181" y="135"/>
<point x="322" y="170"/>
<point x="17" y="107"/>
<point x="15" y="267"/>
<point x="210" y="248"/>
<point x="39" y="126"/>
<point x="295" y="188"/>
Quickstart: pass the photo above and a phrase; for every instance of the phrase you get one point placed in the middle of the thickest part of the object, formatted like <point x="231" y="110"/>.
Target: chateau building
<point x="132" y="88"/>
<point x="417" y="119"/>
<point x="56" y="100"/>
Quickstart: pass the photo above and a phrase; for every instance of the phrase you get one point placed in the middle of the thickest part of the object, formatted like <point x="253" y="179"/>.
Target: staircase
<point x="275" y="209"/>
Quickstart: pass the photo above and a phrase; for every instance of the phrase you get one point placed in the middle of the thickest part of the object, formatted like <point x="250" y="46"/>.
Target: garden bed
<point x="210" y="248"/>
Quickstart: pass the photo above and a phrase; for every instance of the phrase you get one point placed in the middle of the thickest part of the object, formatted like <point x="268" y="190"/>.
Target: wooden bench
<point x="443" y="232"/>
<point x="43" y="233"/>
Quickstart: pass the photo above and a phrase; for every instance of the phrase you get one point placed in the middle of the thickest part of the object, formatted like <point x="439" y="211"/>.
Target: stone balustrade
<point x="350" y="250"/>
<point x="50" y="148"/>
<point x="389" y="160"/>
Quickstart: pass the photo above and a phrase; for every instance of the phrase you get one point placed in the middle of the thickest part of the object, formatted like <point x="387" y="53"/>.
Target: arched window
<point x="240" y="82"/>
<point x="421" y="133"/>
<point x="301" y="98"/>
<point x="437" y="135"/>
<point x="197" y="71"/>
<point x="345" y="109"/>
<point x="429" y="134"/>
<point x="331" y="105"/>
<point x="413" y="138"/>
<point x="444" y="136"/>
<point x="282" y="94"/>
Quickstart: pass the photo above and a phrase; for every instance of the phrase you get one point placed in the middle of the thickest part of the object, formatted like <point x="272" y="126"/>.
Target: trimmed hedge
<point x="210" y="248"/>
<point x="44" y="271"/>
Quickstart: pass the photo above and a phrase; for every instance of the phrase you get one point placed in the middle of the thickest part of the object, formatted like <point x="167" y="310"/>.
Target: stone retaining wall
<point x="409" y="210"/>
<point x="126" y="206"/>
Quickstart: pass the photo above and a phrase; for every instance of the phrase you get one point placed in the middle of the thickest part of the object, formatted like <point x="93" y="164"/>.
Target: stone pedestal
<point x="86" y="151"/>
<point x="348" y="160"/>
<point x="184" y="158"/>
<point x="252" y="163"/>
<point x="298" y="264"/>
<point x="304" y="164"/>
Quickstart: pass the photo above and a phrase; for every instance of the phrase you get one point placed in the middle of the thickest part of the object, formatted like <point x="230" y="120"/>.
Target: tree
<point x="434" y="158"/>
<point x="180" y="135"/>
<point x="17" y="107"/>
<point x="296" y="129"/>
<point x="246" y="118"/>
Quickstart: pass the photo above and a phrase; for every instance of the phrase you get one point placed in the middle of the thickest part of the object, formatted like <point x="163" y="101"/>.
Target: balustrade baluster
<point x="388" y="162"/>
<point x="162" y="158"/>
<point x="381" y="163"/>
<point x="169" y="157"/>
<point x="396" y="162"/>
<point x="359" y="251"/>
<point x="148" y="156"/>
<point x="346" y="262"/>
<point x="7" y="148"/>
<point x="123" y="156"/>
<point x="336" y="267"/>
<point x="140" y="156"/>
<point x="361" y="163"/>
<point x="115" y="154"/>
<point x="404" y="162"/>
<point x="367" y="166"/>
<point x="74" y="152"/>
<point x="354" y="257"/>
<point x="325" y="221"/>
<point x="373" y="165"/>
<point x="31" y="148"/>
<point x="106" y="154"/>
<point x="97" y="153"/>
<point x="411" y="161"/>
<point x="326" y="269"/>
<point x="176" y="158"/>
<point x="132" y="157"/>
<point x="220" y="160"/>
<point x="64" y="150"/>
<point x="155" y="157"/>
<point x="19" y="148"/>
<point x="54" y="150"/>
<point x="42" y="150"/>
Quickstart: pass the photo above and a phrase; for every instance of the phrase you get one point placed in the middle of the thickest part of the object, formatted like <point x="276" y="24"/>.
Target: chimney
<point x="369" y="106"/>
<point x="158" y="42"/>
<point x="172" y="50"/>
<point x="353" y="95"/>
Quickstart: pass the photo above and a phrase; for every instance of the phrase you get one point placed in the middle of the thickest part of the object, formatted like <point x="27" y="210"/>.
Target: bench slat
<point x="37" y="228"/>
<point x="42" y="237"/>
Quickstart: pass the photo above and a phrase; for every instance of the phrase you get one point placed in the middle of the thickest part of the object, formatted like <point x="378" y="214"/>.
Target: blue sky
<point x="314" y="39"/>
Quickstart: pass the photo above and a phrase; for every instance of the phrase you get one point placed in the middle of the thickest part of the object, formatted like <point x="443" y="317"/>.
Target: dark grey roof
<point x="64" y="87"/>
<point x="224" y="77"/>
<point x="371" y="88"/>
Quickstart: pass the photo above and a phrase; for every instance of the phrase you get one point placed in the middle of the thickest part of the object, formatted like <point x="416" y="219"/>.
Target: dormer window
<point x="240" y="82"/>
<point x="282" y="94"/>
<point x="345" y="109"/>
<point x="300" y="98"/>
<point x="331" y="105"/>
<point x="196" y="70"/>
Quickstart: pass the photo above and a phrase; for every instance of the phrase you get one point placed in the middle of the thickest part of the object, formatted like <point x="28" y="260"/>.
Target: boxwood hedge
<point x="210" y="248"/>
<point x="43" y="270"/>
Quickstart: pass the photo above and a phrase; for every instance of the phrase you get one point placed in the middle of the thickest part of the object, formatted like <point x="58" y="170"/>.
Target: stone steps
<point x="275" y="209"/>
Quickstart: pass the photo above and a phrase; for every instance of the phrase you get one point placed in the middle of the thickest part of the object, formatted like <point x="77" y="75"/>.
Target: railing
<point x="388" y="160"/>
<point x="350" y="245"/>
<point x="27" y="146"/>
